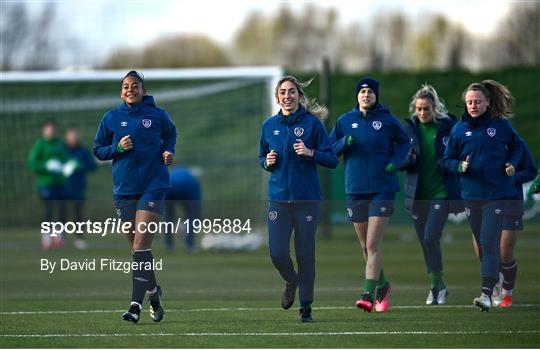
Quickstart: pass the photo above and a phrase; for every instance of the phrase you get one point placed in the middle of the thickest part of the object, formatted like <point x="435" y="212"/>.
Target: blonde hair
<point x="309" y="104"/>
<point x="500" y="99"/>
<point x="429" y="93"/>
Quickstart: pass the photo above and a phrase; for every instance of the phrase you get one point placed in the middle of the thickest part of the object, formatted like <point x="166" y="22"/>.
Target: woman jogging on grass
<point x="431" y="193"/>
<point x="484" y="150"/>
<point x="512" y="225"/>
<point x="293" y="142"/>
<point x="140" y="138"/>
<point x="374" y="145"/>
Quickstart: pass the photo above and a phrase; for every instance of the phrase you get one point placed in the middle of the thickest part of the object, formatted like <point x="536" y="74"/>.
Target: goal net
<point x="217" y="112"/>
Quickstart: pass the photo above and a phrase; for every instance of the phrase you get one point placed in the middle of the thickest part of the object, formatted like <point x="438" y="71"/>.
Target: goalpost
<point x="217" y="111"/>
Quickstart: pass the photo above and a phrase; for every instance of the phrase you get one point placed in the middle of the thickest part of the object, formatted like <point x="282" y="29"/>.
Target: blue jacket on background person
<point x="295" y="177"/>
<point x="412" y="164"/>
<point x="140" y="169"/>
<point x="525" y="169"/>
<point x="380" y="140"/>
<point x="76" y="183"/>
<point x="184" y="186"/>
<point x="490" y="143"/>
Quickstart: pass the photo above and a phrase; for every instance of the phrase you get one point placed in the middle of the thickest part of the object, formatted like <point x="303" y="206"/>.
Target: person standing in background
<point x="48" y="159"/>
<point x="76" y="183"/>
<point x="185" y="192"/>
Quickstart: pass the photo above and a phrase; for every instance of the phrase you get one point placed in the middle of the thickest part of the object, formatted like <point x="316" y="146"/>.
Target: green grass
<point x="232" y="299"/>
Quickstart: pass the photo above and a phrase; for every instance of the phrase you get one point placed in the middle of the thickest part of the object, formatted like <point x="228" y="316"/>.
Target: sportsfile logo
<point x="118" y="226"/>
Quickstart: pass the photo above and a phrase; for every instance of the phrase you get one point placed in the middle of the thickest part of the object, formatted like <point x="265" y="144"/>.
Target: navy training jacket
<point x="525" y="170"/>
<point x="140" y="169"/>
<point x="380" y="140"/>
<point x="490" y="145"/>
<point x="295" y="177"/>
<point x="76" y="183"/>
<point x="412" y="165"/>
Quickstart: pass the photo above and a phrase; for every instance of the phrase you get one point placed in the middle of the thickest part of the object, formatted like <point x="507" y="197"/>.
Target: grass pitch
<point x="232" y="299"/>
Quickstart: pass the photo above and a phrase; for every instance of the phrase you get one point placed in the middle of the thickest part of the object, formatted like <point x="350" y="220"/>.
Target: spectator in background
<point x="76" y="183"/>
<point x="185" y="192"/>
<point x="48" y="159"/>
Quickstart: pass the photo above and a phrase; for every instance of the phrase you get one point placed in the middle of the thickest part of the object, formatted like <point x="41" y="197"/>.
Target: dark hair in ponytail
<point x="500" y="99"/>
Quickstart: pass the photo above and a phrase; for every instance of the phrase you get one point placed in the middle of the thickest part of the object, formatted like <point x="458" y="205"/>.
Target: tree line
<point x="297" y="40"/>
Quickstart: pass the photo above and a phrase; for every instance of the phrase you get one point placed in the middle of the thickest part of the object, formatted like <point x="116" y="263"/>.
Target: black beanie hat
<point x="370" y="83"/>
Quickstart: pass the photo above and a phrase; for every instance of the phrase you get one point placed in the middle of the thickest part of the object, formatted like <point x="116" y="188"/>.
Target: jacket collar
<point x="379" y="109"/>
<point x="292" y="118"/>
<point x="442" y="124"/>
<point x="484" y="119"/>
<point x="147" y="100"/>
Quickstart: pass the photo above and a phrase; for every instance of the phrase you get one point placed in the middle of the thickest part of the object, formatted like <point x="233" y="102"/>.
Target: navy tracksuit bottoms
<point x="302" y="217"/>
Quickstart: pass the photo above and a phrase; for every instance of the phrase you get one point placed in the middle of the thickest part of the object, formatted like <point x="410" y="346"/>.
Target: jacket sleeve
<point x="515" y="147"/>
<point x="323" y="154"/>
<point x="403" y="145"/>
<point x="411" y="161"/>
<point x="338" y="140"/>
<point x="451" y="159"/>
<point x="103" y="147"/>
<point x="89" y="164"/>
<point x="263" y="151"/>
<point x="526" y="169"/>
<point x="36" y="163"/>
<point x="169" y="135"/>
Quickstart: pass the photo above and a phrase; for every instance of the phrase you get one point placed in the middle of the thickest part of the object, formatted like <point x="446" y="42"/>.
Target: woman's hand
<point x="464" y="165"/>
<point x="168" y="157"/>
<point x="510" y="170"/>
<point x="301" y="149"/>
<point x="271" y="158"/>
<point x="125" y="144"/>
